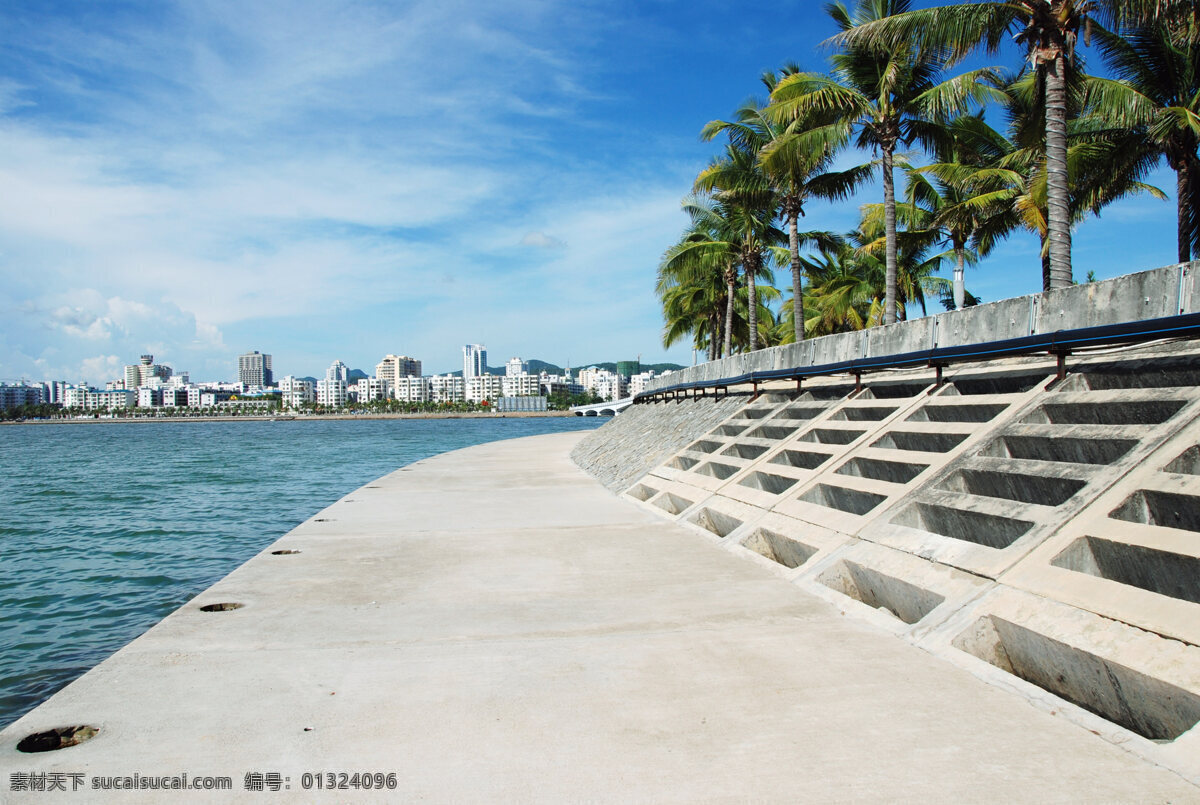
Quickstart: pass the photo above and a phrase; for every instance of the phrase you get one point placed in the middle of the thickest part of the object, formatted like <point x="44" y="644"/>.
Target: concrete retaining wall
<point x="1042" y="535"/>
<point x="1150" y="294"/>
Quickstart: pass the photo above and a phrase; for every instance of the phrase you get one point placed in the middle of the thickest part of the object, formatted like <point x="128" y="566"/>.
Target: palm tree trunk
<point x="1045" y="266"/>
<point x="1183" y="187"/>
<point x="730" y="282"/>
<point x="960" y="283"/>
<point x="889" y="225"/>
<point x="1057" y="198"/>
<point x="751" y="268"/>
<point x="797" y="277"/>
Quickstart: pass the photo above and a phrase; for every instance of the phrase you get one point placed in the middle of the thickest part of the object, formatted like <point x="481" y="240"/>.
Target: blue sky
<point x="336" y="180"/>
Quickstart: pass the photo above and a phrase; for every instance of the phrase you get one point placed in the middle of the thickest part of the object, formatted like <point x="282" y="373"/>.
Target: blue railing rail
<point x="1060" y="343"/>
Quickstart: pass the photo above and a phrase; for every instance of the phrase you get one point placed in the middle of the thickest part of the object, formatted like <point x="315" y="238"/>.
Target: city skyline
<point x="190" y="181"/>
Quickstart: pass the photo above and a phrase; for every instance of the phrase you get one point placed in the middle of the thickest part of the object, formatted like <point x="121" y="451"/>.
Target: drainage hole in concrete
<point x="747" y="451"/>
<point x="1064" y="449"/>
<point x="987" y="530"/>
<point x="853" y="501"/>
<point x="59" y="738"/>
<point x="1171" y="574"/>
<point x="801" y="459"/>
<point x="1038" y="489"/>
<point x="996" y="384"/>
<point x="895" y="391"/>
<point x="715" y="521"/>
<point x="775" y="484"/>
<point x="1188" y="462"/>
<point x="672" y="504"/>
<point x="1162" y="374"/>
<point x="863" y="414"/>
<point x="715" y="470"/>
<point x="772" y="432"/>
<point x="831" y="436"/>
<point x="778" y="548"/>
<point x="957" y="413"/>
<point x="285" y="552"/>
<point x="642" y="492"/>
<point x="225" y="606"/>
<point x="891" y="471"/>
<point x="897" y="597"/>
<point x="1148" y="706"/>
<point x="682" y="463"/>
<point x="920" y="442"/>
<point x="802" y="412"/>
<point x="1160" y="508"/>
<point x="1132" y="412"/>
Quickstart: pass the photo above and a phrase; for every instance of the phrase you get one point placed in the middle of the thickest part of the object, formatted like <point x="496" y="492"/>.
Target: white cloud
<point x="540" y="240"/>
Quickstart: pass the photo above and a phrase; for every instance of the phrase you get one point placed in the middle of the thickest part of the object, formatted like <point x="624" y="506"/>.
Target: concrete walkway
<point x="493" y="625"/>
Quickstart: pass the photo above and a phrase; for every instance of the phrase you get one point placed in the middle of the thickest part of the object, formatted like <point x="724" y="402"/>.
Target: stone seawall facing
<point x="647" y="435"/>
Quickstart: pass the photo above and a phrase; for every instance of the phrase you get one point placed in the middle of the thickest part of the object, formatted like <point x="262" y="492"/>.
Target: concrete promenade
<point x="494" y="625"/>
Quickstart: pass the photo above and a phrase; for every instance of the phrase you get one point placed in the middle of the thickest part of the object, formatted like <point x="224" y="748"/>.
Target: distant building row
<point x="150" y="385"/>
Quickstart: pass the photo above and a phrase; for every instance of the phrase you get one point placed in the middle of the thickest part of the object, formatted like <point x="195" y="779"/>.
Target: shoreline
<point x="291" y="418"/>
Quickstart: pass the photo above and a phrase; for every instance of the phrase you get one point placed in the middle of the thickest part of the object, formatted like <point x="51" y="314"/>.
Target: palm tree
<point x="916" y="266"/>
<point x="959" y="196"/>
<point x="1049" y="31"/>
<point x="841" y="297"/>
<point x="795" y="153"/>
<point x="890" y="94"/>
<point x="1105" y="160"/>
<point x="748" y="207"/>
<point x="706" y="260"/>
<point x="1158" y="63"/>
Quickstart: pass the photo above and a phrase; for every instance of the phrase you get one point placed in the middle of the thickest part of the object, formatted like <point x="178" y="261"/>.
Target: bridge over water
<point x="603" y="409"/>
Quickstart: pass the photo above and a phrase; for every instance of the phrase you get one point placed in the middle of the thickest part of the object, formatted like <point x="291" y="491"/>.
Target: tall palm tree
<point x="696" y="279"/>
<point x="1049" y="31"/>
<point x="1157" y="64"/>
<point x="956" y="194"/>
<point x="890" y="94"/>
<point x="1105" y="160"/>
<point x="718" y="241"/>
<point x="795" y="152"/>
<point x="749" y="206"/>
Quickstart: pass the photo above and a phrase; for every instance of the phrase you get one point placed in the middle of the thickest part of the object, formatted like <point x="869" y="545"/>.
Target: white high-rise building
<point x="331" y="393"/>
<point x="484" y="387"/>
<point x="607" y="385"/>
<point x="515" y="367"/>
<point x="446" y="388"/>
<point x="412" y="389"/>
<point x="297" y="391"/>
<point x="338" y="371"/>
<point x="373" y="388"/>
<point x="523" y="385"/>
<point x="254" y="369"/>
<point x="144" y="372"/>
<point x="394" y="367"/>
<point x="474" y="360"/>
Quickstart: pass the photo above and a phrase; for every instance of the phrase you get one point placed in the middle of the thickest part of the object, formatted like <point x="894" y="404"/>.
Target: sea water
<point x="107" y="528"/>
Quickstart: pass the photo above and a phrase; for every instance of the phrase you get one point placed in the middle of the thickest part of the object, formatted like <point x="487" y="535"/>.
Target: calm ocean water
<point x="105" y="529"/>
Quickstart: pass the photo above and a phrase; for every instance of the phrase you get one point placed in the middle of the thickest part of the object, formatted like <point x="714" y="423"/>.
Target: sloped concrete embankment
<point x="1044" y="537"/>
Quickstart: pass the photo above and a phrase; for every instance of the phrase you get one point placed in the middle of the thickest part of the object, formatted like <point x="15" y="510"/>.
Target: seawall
<point x="1043" y="536"/>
